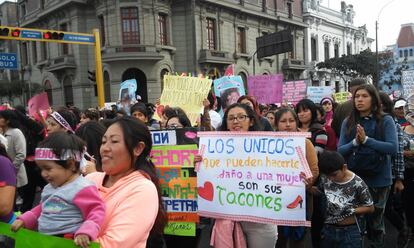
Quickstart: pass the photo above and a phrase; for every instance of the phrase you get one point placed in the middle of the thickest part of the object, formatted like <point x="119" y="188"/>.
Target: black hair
<point x="121" y="112"/>
<point x="63" y="141"/>
<point x="140" y="107"/>
<point x="281" y="112"/>
<point x="376" y="110"/>
<point x="134" y="132"/>
<point x="307" y="104"/>
<point x="320" y="109"/>
<point x="226" y="93"/>
<point x="11" y="117"/>
<point x="387" y="104"/>
<point x="330" y="161"/>
<point x="108" y="114"/>
<point x="211" y="98"/>
<point x="21" y="109"/>
<point x="69" y="116"/>
<point x="92" y="114"/>
<point x="76" y="113"/>
<point x="92" y="132"/>
<point x="357" y="82"/>
<point x="250" y="113"/>
<point x="182" y="118"/>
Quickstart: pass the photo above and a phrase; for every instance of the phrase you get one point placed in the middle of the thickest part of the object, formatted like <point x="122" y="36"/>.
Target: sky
<point x="395" y="13"/>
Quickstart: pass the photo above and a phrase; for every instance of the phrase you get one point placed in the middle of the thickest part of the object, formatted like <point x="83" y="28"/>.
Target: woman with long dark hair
<point x="129" y="186"/>
<point x="368" y="139"/>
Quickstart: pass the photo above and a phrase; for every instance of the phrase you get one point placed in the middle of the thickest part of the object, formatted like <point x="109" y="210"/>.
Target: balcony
<point x="217" y="57"/>
<point x="294" y="64"/>
<point x="133" y="52"/>
<point x="60" y="63"/>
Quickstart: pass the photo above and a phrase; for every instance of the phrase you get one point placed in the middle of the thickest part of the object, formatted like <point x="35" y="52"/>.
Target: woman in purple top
<point x="7" y="184"/>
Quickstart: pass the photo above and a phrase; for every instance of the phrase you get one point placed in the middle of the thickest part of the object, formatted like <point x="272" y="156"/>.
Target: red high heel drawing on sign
<point x="296" y="202"/>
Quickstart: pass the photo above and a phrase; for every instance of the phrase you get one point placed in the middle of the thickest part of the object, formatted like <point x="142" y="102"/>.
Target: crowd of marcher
<point x="97" y="182"/>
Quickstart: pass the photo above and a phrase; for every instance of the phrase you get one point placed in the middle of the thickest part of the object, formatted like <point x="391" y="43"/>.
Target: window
<point x="327" y="83"/>
<point x="405" y="53"/>
<point x="64" y="46"/>
<point x="23" y="10"/>
<point x="102" y="29"/>
<point x="313" y="49"/>
<point x="162" y="74"/>
<point x="326" y="50"/>
<point x="349" y="49"/>
<point x="337" y="89"/>
<point x="34" y="52"/>
<point x="25" y="57"/>
<point x="211" y="34"/>
<point x="48" y="90"/>
<point x="43" y="50"/>
<point x="68" y="90"/>
<point x="130" y="27"/>
<point x="336" y="50"/>
<point x="241" y="40"/>
<point x="42" y="4"/>
<point x="289" y="9"/>
<point x="401" y="53"/>
<point x="411" y="52"/>
<point x="162" y="25"/>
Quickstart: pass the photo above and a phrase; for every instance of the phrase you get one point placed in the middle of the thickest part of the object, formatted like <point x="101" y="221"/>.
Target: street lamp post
<point x="376" y="44"/>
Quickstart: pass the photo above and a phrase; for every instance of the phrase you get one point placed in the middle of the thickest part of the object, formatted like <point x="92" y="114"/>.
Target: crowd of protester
<point x="97" y="182"/>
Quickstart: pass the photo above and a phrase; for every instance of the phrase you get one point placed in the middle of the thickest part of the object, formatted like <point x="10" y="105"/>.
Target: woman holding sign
<point x="286" y="120"/>
<point x="242" y="118"/>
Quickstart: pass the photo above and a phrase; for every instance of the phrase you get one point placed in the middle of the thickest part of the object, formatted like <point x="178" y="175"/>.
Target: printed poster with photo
<point x="229" y="89"/>
<point x="294" y="91"/>
<point x="127" y="94"/>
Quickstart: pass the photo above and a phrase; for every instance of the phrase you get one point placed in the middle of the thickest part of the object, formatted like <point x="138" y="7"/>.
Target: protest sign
<point x="316" y="93"/>
<point x="253" y="176"/>
<point x="266" y="88"/>
<point x="342" y="97"/>
<point x="187" y="93"/>
<point x="173" y="156"/>
<point x="38" y="102"/>
<point x="294" y="91"/>
<point x="407" y="81"/>
<point x="229" y="89"/>
<point x="29" y="239"/>
<point x="127" y="94"/>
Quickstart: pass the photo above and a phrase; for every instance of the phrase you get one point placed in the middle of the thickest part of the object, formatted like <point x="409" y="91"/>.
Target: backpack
<point x="366" y="161"/>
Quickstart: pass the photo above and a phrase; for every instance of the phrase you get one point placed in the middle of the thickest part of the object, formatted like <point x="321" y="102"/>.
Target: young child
<point x="347" y="196"/>
<point x="70" y="205"/>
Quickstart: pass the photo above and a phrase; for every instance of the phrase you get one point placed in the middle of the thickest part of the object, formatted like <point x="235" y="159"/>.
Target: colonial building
<point x="331" y="33"/>
<point x="403" y="59"/>
<point x="8" y="17"/>
<point x="146" y="39"/>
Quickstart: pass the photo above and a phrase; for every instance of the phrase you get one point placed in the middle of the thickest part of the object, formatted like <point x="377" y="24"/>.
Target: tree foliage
<point x="358" y="65"/>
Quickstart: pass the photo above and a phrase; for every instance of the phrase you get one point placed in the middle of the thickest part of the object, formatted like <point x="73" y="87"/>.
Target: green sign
<point x="29" y="239"/>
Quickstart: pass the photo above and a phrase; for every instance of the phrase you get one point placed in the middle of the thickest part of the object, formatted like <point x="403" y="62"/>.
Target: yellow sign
<point x="341" y="97"/>
<point x="187" y="93"/>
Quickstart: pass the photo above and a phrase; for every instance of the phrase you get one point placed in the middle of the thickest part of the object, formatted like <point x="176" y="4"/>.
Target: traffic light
<point x="4" y="32"/>
<point x="15" y="33"/>
<point x="53" y="35"/>
<point x="92" y="76"/>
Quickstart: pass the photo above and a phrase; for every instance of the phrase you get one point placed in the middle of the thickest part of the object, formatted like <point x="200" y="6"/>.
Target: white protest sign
<point x="407" y="81"/>
<point x="253" y="176"/>
<point x="316" y="93"/>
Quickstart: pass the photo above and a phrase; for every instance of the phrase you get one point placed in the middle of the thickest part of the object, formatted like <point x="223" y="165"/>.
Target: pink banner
<point x="38" y="102"/>
<point x="294" y="91"/>
<point x="266" y="88"/>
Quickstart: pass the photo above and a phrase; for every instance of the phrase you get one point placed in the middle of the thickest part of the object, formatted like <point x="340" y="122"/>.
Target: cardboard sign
<point x="229" y="89"/>
<point x="316" y="94"/>
<point x="266" y="88"/>
<point x="187" y="93"/>
<point x="342" y="97"/>
<point x="294" y="91"/>
<point x="173" y="157"/>
<point x="253" y="176"/>
<point x="407" y="81"/>
<point x="29" y="239"/>
<point x="38" y="102"/>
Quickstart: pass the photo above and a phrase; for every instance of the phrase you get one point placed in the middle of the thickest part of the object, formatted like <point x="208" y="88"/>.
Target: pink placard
<point x="294" y="91"/>
<point x="38" y="102"/>
<point x="266" y="88"/>
<point x="3" y="107"/>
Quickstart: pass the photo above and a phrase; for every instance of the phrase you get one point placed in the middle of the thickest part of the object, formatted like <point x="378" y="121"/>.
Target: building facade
<point x="331" y="33"/>
<point x="8" y="17"/>
<point x="403" y="59"/>
<point x="146" y="39"/>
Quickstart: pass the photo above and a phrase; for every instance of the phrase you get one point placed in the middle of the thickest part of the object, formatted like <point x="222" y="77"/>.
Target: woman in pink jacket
<point x="129" y="186"/>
